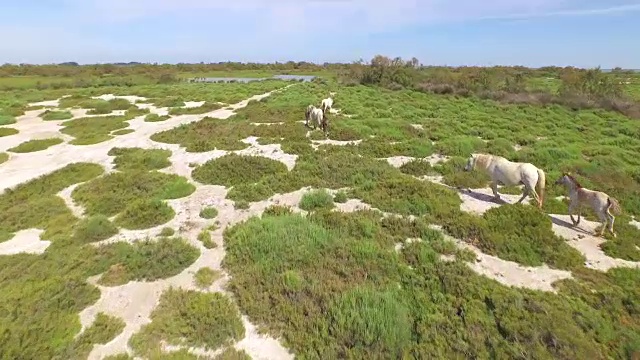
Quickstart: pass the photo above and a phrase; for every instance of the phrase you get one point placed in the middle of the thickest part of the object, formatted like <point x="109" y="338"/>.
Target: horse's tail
<point x="614" y="205"/>
<point x="541" y="185"/>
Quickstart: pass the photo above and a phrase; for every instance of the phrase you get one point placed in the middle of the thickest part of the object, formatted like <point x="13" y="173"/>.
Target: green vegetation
<point x="205" y="277"/>
<point x="330" y="284"/>
<point x="205" y="108"/>
<point x="8" y="131"/>
<point x="36" y="145"/>
<point x="156" y="118"/>
<point x="340" y="197"/>
<point x="35" y="204"/>
<point x="103" y="330"/>
<point x="7" y="119"/>
<point x="93" y="229"/>
<point x="100" y="107"/>
<point x="140" y="159"/>
<point x="147" y="260"/>
<point x="316" y="199"/>
<point x="4" y="157"/>
<point x="232" y="169"/>
<point x="233" y="354"/>
<point x="189" y="318"/>
<point x="208" y="212"/>
<point x="205" y="237"/>
<point x="518" y="233"/>
<point x="50" y="115"/>
<point x="144" y="214"/>
<point x="122" y="132"/>
<point x="113" y="193"/>
<point x="93" y="130"/>
<point x="167" y="231"/>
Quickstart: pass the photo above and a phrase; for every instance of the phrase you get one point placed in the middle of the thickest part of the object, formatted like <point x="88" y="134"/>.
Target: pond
<point x="303" y="78"/>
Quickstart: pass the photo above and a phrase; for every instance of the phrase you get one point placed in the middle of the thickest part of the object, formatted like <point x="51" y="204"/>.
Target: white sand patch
<point x="162" y="111"/>
<point x="317" y="143"/>
<point x="417" y="126"/>
<point x="261" y="347"/>
<point x="398" y="161"/>
<point x="25" y="241"/>
<point x="582" y="239"/>
<point x="31" y="127"/>
<point x="267" y="123"/>
<point x="129" y="98"/>
<point x="65" y="194"/>
<point x="478" y="201"/>
<point x="47" y="103"/>
<point x="193" y="104"/>
<point x="49" y="160"/>
<point x="517" y="147"/>
<point x="510" y="273"/>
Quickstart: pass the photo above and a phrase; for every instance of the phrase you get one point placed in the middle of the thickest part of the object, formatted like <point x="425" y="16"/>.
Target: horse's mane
<point x="573" y="180"/>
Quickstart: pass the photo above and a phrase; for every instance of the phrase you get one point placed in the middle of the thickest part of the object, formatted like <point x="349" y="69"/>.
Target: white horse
<point x="317" y="117"/>
<point x="327" y="104"/>
<point x="600" y="202"/>
<point x="510" y="173"/>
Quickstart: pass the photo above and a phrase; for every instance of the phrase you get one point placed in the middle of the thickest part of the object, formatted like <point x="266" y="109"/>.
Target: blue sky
<point x="437" y="32"/>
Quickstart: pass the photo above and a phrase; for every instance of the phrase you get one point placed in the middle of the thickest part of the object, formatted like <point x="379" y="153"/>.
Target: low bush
<point x="156" y="118"/>
<point x="205" y="277"/>
<point x="232" y="169"/>
<point x="208" y="212"/>
<point x="189" y="318"/>
<point x="36" y="145"/>
<point x="140" y="159"/>
<point x="93" y="229"/>
<point x="51" y="115"/>
<point x="316" y="199"/>
<point x="147" y="260"/>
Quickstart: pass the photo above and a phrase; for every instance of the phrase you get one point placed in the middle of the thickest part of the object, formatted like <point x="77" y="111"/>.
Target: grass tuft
<point x="7" y="131"/>
<point x="189" y="318"/>
<point x="4" y="157"/>
<point x="147" y="260"/>
<point x="232" y="169"/>
<point x="139" y="159"/>
<point x="316" y="199"/>
<point x="208" y="212"/>
<point x="205" y="277"/>
<point x="36" y="145"/>
<point x="144" y="214"/>
<point x="51" y="115"/>
<point x="93" y="229"/>
<point x="156" y="118"/>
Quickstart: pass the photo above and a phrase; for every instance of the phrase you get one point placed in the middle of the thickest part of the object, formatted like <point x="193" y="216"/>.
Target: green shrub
<point x="208" y="212"/>
<point x="205" y="108"/>
<point x="122" y="132"/>
<point x="205" y="237"/>
<point x="6" y="119"/>
<point x="50" y="115"/>
<point x="206" y="276"/>
<point x="189" y="318"/>
<point x="144" y="214"/>
<point x="103" y="330"/>
<point x="167" y="231"/>
<point x="8" y="131"/>
<point x="316" y="199"/>
<point x="232" y="169"/>
<point x="4" y="157"/>
<point x="111" y="194"/>
<point x="94" y="229"/>
<point x="156" y="118"/>
<point x="36" y="145"/>
<point x="140" y="159"/>
<point x="340" y="197"/>
<point x="147" y="260"/>
<point x="93" y="130"/>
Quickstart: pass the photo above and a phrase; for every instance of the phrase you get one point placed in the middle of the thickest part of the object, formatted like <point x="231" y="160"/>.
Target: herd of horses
<point x="509" y="173"/>
<point x="318" y="116"/>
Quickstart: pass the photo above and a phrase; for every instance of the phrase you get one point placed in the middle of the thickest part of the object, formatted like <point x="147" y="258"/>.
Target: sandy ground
<point x="134" y="301"/>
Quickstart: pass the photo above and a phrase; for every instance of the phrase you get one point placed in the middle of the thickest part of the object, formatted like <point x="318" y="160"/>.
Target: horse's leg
<point x="604" y="219"/>
<point x="572" y="207"/>
<point x="494" y="188"/>
<point x="524" y="194"/>
<point x="611" y="219"/>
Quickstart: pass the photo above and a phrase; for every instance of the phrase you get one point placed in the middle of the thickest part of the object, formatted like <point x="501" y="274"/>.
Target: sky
<point x="438" y="32"/>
